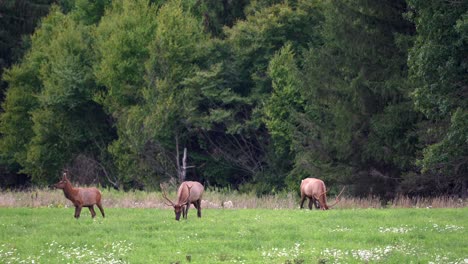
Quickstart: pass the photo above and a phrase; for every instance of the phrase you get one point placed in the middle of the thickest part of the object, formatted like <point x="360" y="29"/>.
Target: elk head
<point x="63" y="182"/>
<point x="323" y="200"/>
<point x="183" y="200"/>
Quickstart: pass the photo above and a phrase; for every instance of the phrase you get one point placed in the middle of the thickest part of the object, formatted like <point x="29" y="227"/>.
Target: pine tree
<point x="438" y="67"/>
<point x="358" y="121"/>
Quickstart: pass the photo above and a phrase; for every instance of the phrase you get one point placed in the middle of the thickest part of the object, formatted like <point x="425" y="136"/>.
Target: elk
<point x="80" y="197"/>
<point x="315" y="190"/>
<point x="189" y="192"/>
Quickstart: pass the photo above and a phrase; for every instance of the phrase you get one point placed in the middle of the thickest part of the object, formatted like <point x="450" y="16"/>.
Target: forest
<point x="255" y="94"/>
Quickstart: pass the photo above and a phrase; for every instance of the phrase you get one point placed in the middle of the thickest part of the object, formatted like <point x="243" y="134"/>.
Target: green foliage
<point x="438" y="66"/>
<point x="18" y="20"/>
<point x="68" y="84"/>
<point x="122" y="40"/>
<point x="90" y="11"/>
<point x="262" y="93"/>
<point x="178" y="44"/>
<point x="175" y="54"/>
<point x="448" y="156"/>
<point x="390" y="140"/>
<point x="255" y="41"/>
<point x="15" y="122"/>
<point x="62" y="121"/>
<point x="172" y="51"/>
<point x="67" y="76"/>
<point x="24" y="81"/>
<point x="285" y="99"/>
<point x="354" y="85"/>
<point x="217" y="14"/>
<point x="238" y="135"/>
<point x="216" y="104"/>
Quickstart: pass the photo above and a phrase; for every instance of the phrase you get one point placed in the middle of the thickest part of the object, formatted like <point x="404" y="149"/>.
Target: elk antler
<point x="164" y="194"/>
<point x="320" y="195"/>
<point x="337" y="198"/>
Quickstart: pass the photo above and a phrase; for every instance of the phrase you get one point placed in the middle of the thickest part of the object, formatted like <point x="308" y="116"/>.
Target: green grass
<point x="52" y="235"/>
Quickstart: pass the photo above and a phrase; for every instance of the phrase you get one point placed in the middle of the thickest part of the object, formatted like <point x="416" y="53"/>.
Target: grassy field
<point x="145" y="235"/>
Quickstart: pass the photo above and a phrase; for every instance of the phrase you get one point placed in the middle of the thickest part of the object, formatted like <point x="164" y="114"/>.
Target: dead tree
<point x="181" y="168"/>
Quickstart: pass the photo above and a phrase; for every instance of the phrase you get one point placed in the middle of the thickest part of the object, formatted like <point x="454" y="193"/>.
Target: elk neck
<point x="70" y="192"/>
<point x="183" y="197"/>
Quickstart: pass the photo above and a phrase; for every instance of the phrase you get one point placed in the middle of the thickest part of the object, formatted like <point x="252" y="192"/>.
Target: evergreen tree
<point x="438" y="71"/>
<point x="122" y="41"/>
<point x="217" y="14"/>
<point x="18" y="18"/>
<point x="68" y="121"/>
<point x="262" y="93"/>
<point x="24" y="83"/>
<point x="238" y="135"/>
<point x="358" y="121"/>
<point x="284" y="106"/>
<point x="148" y="132"/>
<point x="60" y="120"/>
<point x="89" y="11"/>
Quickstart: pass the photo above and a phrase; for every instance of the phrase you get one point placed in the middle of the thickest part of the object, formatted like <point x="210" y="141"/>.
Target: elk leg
<point x="99" y="205"/>
<point x="302" y="201"/>
<point x="311" y="201"/>
<point x="187" y="206"/>
<point x="77" y="211"/>
<point x="198" y="206"/>
<point x="183" y="211"/>
<point x="91" y="209"/>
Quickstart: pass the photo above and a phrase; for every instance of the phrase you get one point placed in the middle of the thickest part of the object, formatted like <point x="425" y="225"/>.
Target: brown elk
<point x="315" y="190"/>
<point x="190" y="192"/>
<point x="80" y="197"/>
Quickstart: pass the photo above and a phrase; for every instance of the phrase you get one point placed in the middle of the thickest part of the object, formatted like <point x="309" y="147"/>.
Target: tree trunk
<point x="464" y="191"/>
<point x="181" y="170"/>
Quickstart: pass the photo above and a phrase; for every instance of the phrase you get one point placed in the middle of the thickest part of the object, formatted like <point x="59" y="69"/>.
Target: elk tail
<point x="337" y="200"/>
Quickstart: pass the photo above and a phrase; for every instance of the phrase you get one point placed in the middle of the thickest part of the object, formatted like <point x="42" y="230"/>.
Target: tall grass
<point x="217" y="199"/>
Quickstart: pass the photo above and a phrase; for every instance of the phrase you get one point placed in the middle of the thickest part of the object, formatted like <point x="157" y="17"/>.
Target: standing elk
<point x="80" y="197"/>
<point x="315" y="190"/>
<point x="190" y="192"/>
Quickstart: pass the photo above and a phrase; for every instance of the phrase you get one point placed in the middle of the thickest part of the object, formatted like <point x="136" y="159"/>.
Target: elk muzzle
<point x="178" y="210"/>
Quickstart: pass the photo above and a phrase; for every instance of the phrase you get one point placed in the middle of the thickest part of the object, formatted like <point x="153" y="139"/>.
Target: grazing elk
<point x="315" y="190"/>
<point x="80" y="197"/>
<point x="190" y="192"/>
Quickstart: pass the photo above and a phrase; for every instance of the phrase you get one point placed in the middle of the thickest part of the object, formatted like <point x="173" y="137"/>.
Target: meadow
<point x="142" y="232"/>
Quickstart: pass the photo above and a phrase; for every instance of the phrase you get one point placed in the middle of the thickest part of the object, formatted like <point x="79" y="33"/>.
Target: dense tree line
<point x="262" y="93"/>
